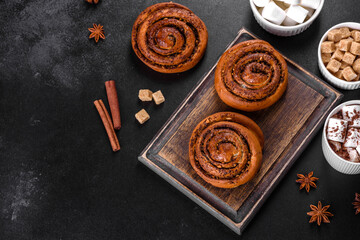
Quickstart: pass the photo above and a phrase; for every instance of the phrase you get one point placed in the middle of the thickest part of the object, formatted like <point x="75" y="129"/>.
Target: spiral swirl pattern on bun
<point x="169" y="37"/>
<point x="225" y="149"/>
<point x="251" y="76"/>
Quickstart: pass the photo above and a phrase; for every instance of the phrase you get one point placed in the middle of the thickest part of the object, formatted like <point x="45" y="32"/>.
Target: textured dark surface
<point x="58" y="176"/>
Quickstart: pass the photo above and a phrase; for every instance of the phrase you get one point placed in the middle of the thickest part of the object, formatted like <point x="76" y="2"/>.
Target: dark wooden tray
<point x="288" y="126"/>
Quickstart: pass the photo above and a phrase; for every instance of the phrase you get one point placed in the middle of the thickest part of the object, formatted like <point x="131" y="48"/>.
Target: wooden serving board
<point x="288" y="127"/>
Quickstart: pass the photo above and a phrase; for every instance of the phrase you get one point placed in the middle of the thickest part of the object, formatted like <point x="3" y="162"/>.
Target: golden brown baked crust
<point x="225" y="149"/>
<point x="251" y="76"/>
<point x="169" y="37"/>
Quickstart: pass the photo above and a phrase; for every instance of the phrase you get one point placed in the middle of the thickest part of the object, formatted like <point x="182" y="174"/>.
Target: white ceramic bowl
<point x="327" y="75"/>
<point x="284" y="31"/>
<point x="333" y="159"/>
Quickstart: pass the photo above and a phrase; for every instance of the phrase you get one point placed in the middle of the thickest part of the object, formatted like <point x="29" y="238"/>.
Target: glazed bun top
<point x="251" y="76"/>
<point x="225" y="149"/>
<point x="169" y="38"/>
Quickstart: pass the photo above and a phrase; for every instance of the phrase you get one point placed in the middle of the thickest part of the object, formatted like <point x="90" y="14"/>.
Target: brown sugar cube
<point x="325" y="57"/>
<point x="355" y="48"/>
<point x="327" y="47"/>
<point x="344" y="45"/>
<point x="349" y="74"/>
<point x="337" y="45"/>
<point x="348" y="58"/>
<point x="333" y="66"/>
<point x="345" y="32"/>
<point x="338" y="55"/>
<point x="356" y="65"/>
<point x="356" y="35"/>
<point x="158" y="97"/>
<point x="344" y="65"/>
<point x="334" y="35"/>
<point x="339" y="74"/>
<point x="145" y="95"/>
<point x="142" y="116"/>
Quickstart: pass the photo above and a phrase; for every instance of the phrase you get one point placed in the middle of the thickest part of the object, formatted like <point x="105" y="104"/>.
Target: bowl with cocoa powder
<point x="341" y="138"/>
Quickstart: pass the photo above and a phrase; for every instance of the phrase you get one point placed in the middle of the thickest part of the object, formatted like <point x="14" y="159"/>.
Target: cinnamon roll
<point x="251" y="76"/>
<point x="225" y="149"/>
<point x="169" y="37"/>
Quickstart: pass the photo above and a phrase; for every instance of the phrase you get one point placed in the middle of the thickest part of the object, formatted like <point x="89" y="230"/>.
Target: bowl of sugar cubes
<point x="339" y="55"/>
<point x="286" y="17"/>
<point x="341" y="138"/>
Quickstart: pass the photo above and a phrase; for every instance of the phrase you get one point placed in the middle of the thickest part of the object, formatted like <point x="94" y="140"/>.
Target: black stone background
<point x="59" y="178"/>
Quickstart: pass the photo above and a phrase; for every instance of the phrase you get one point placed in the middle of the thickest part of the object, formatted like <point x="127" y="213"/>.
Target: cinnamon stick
<point x="105" y="117"/>
<point x="113" y="103"/>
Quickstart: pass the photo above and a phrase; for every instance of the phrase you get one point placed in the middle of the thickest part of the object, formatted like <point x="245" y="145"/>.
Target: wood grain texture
<point x="280" y="124"/>
<point x="288" y="127"/>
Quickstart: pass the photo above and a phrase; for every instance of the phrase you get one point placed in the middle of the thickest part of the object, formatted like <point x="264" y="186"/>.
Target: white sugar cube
<point x="352" y="114"/>
<point x="288" y="21"/>
<point x="297" y="13"/>
<point x="261" y="3"/>
<point x="273" y="13"/>
<point x="336" y="130"/>
<point x="352" y="138"/>
<point x="314" y="4"/>
<point x="353" y="155"/>
<point x="292" y="2"/>
<point x="358" y="149"/>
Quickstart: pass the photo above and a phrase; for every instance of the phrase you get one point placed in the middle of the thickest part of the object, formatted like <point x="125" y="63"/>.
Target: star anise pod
<point x="92" y="1"/>
<point x="306" y="181"/>
<point x="357" y="203"/>
<point x="97" y="32"/>
<point x="319" y="214"/>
